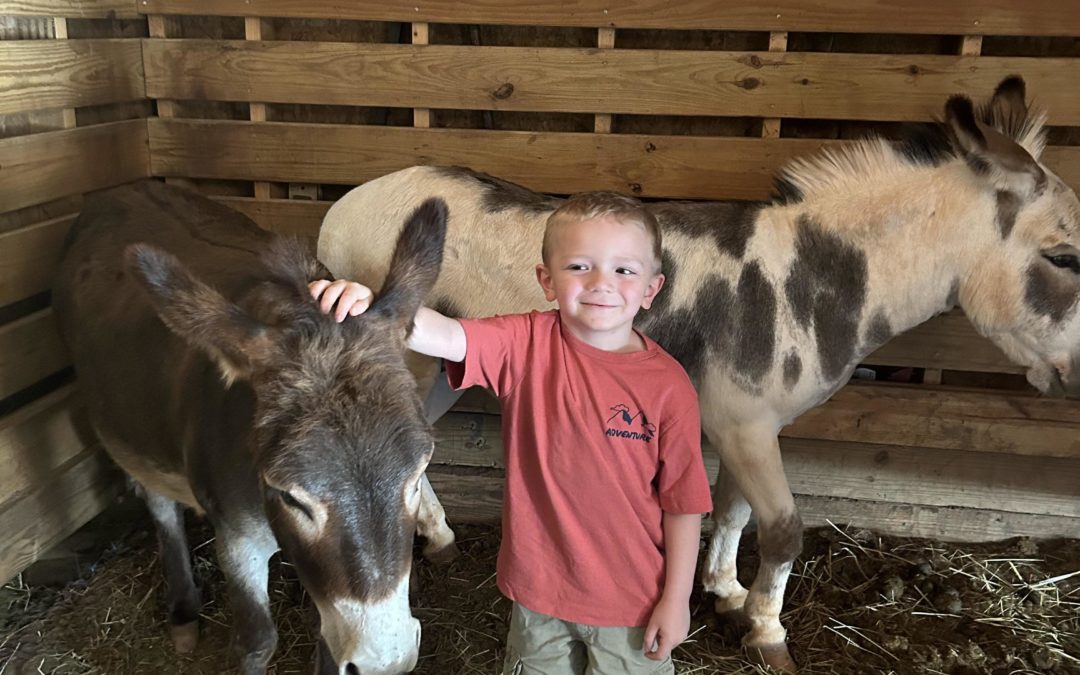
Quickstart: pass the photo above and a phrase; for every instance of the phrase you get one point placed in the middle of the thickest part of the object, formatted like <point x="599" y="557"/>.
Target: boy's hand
<point x="351" y="297"/>
<point x="668" y="626"/>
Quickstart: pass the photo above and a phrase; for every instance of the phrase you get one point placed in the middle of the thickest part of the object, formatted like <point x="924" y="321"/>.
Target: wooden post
<point x="605" y="39"/>
<point x="67" y="115"/>
<point x="157" y="23"/>
<point x="770" y="126"/>
<point x="421" y="116"/>
<point x="256" y="28"/>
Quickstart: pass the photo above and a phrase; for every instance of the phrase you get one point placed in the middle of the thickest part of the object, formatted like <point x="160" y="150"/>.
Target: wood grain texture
<point x="37" y="439"/>
<point x="30" y="350"/>
<point x="28" y="258"/>
<point x="73" y="9"/>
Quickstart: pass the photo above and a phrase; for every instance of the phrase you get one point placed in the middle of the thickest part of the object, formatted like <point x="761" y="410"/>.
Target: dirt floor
<point x="857" y="603"/>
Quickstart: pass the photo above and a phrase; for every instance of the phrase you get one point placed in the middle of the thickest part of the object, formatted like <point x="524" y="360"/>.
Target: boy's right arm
<point x="433" y="334"/>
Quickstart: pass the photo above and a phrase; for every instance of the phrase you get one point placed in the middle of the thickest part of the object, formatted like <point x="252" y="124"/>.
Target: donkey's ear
<point x="240" y="345"/>
<point x="415" y="264"/>
<point x="991" y="153"/>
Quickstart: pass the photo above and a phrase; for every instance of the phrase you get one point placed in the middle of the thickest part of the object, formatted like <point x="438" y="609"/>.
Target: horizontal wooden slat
<point x="73" y="494"/>
<point x="945" y="419"/>
<point x="42" y="167"/>
<point x="949" y="342"/>
<point x="40" y="74"/>
<point x="885" y="473"/>
<point x="654" y="166"/>
<point x="30" y="350"/>
<point x="28" y="258"/>
<point x="285" y="216"/>
<point x="666" y="82"/>
<point x="478" y="499"/>
<point x="977" y="17"/>
<point x="73" y="9"/>
<point x="38" y="438"/>
<point x="550" y="162"/>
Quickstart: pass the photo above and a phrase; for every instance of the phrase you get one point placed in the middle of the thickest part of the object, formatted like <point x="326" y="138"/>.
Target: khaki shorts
<point x="543" y="645"/>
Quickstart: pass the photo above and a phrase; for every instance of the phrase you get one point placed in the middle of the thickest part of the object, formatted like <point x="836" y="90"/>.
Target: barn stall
<point x="277" y="108"/>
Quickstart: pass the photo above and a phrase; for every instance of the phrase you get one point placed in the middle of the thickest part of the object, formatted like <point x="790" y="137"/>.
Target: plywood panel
<point x="28" y="258"/>
<point x="41" y="74"/>
<point x="663" y="82"/>
<point x="47" y="166"/>
<point x="285" y="216"/>
<point x="983" y="17"/>
<point x="30" y="350"/>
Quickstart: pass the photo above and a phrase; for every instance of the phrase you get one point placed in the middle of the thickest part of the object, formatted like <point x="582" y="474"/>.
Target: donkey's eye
<point x="293" y="503"/>
<point x="1065" y="261"/>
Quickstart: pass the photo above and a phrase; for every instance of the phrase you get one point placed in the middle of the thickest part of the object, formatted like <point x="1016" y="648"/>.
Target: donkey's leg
<point x="244" y="554"/>
<point x="731" y="512"/>
<point x="431" y="521"/>
<point x="183" y="600"/>
<point x="752" y="455"/>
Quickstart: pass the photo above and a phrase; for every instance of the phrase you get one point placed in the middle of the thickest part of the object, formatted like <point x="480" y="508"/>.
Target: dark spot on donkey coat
<point x="792" y="370"/>
<point x="1008" y="205"/>
<point x="730" y="224"/>
<point x="826" y="289"/>
<point x="878" y="331"/>
<point x="500" y="195"/>
<point x="736" y="327"/>
<point x="1047" y="293"/>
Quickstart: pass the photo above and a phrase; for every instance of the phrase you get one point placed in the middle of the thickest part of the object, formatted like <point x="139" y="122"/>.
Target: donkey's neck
<point x="918" y="228"/>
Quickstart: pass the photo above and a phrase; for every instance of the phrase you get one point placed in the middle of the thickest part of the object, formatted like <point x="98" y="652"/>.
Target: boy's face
<point x="601" y="272"/>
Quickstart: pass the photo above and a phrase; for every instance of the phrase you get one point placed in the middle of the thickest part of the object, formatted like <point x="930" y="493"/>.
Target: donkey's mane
<point x="926" y="145"/>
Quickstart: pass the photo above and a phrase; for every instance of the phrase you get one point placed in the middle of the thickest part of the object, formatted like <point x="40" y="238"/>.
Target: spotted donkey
<point x="769" y="306"/>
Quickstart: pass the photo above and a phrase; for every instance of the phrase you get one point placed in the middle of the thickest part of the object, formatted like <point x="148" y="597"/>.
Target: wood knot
<point x="635" y="188"/>
<point x="504" y="92"/>
<point x="749" y="83"/>
<point x="913" y="69"/>
<point x="649" y="147"/>
<point x="805" y="81"/>
<point x="753" y="61"/>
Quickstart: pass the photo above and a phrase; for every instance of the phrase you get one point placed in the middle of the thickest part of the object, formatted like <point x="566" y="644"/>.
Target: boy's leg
<point x="620" y="651"/>
<point x="541" y="645"/>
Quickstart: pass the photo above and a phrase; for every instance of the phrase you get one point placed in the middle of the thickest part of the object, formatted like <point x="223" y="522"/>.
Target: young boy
<point x="605" y="484"/>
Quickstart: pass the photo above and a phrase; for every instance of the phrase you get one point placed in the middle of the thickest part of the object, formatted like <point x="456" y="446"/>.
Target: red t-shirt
<point x="597" y="445"/>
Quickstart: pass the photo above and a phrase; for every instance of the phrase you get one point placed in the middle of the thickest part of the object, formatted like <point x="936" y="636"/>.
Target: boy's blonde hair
<point x="587" y="205"/>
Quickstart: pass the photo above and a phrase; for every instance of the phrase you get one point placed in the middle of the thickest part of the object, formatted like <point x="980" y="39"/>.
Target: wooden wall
<point x="72" y="120"/>
<point x="257" y="101"/>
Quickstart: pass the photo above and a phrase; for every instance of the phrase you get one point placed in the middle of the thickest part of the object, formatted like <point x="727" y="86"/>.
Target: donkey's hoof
<point x="774" y="656"/>
<point x="443" y="555"/>
<point x="185" y="636"/>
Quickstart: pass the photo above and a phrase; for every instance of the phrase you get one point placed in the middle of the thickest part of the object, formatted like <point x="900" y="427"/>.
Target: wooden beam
<point x="72" y="9"/>
<point x="72" y="494"/>
<point x="30" y="350"/>
<point x="284" y="216"/>
<point x="421" y="36"/>
<point x="47" y="166"/>
<point x="949" y="342"/>
<point x="636" y="81"/>
<point x="959" y="17"/>
<point x="37" y="439"/>
<point x="28" y="258"/>
<point x="478" y="499"/>
<point x="691" y="167"/>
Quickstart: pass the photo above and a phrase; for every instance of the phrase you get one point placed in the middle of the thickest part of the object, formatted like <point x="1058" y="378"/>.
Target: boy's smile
<point x="601" y="272"/>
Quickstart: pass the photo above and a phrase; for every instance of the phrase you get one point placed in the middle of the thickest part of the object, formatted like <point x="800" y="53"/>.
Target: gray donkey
<point x="770" y="306"/>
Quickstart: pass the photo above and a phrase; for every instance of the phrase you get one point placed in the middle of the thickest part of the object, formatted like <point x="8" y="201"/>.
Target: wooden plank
<point x="421" y="36"/>
<point x="945" y="419"/>
<point x="28" y="258"/>
<point x="37" y="439"/>
<point x="30" y="350"/>
<point x="478" y="499"/>
<point x="691" y="167"/>
<point x="948" y="341"/>
<point x="40" y="74"/>
<point x="1065" y="162"/>
<point x="74" y="9"/>
<point x="987" y="17"/>
<point x="42" y="167"/>
<point x="35" y="522"/>
<point x="285" y="216"/>
<point x="674" y="166"/>
<point x="909" y="475"/>
<point x="656" y="82"/>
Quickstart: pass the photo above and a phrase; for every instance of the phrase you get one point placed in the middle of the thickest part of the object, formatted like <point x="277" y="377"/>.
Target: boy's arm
<point x="670" y="621"/>
<point x="433" y="334"/>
